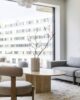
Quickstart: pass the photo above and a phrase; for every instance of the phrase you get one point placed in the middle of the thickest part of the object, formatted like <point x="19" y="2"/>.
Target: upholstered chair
<point x="14" y="88"/>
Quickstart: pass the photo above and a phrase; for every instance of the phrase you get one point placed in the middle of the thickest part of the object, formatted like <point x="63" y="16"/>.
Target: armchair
<point x="14" y="88"/>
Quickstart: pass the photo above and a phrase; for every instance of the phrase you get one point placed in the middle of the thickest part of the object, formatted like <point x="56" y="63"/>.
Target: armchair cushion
<point x="23" y="87"/>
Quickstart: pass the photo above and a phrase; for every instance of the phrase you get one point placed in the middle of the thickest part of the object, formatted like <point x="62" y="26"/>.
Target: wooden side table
<point x="41" y="80"/>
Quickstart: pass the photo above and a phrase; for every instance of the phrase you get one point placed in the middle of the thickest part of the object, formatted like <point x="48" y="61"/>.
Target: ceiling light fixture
<point x="27" y="3"/>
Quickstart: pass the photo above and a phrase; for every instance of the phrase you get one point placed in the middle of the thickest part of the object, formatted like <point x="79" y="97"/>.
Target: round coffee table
<point x="42" y="79"/>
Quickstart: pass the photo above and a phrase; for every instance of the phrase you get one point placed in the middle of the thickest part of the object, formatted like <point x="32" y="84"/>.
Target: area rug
<point x="60" y="91"/>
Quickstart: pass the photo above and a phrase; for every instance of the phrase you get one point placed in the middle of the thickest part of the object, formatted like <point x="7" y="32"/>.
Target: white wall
<point x="73" y="28"/>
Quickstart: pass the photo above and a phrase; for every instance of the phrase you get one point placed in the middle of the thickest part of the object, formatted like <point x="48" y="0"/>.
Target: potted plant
<point x="38" y="48"/>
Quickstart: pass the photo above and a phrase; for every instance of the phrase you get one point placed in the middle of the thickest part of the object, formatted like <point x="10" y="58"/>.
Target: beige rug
<point x="60" y="91"/>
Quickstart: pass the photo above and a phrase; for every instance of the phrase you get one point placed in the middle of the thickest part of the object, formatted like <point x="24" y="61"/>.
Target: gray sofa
<point x="71" y="67"/>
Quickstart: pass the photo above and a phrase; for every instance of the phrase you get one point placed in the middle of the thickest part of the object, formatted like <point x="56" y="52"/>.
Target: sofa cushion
<point x="77" y="73"/>
<point x="74" y="62"/>
<point x="69" y="71"/>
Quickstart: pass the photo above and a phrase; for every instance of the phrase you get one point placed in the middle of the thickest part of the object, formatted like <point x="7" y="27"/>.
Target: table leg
<point x="41" y="83"/>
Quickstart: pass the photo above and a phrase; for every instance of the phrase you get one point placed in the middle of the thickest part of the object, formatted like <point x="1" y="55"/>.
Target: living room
<point x="66" y="45"/>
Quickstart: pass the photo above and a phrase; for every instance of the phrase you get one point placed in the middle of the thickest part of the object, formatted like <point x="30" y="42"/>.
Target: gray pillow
<point x="74" y="62"/>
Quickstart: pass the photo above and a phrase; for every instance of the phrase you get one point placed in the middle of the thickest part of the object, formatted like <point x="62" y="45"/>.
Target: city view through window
<point x="23" y="37"/>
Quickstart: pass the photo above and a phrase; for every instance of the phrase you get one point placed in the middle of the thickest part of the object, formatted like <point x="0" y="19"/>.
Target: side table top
<point x="43" y="72"/>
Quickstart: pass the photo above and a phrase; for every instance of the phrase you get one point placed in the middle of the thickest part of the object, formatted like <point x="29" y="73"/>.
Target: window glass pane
<point x="26" y="32"/>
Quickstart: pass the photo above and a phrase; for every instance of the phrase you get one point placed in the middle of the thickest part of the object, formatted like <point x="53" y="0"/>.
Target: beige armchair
<point x="15" y="88"/>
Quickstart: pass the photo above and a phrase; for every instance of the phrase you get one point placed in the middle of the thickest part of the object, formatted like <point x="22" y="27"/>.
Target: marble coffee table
<point x="42" y="79"/>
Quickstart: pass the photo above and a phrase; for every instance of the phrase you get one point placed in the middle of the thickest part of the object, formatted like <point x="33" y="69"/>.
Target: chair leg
<point x="13" y="88"/>
<point x="13" y="98"/>
<point x="32" y="93"/>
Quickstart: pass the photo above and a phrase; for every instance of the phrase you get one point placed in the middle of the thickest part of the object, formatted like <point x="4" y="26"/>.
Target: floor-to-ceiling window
<point x="26" y="32"/>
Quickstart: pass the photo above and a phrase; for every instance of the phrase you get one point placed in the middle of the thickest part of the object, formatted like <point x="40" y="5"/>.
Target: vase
<point x="35" y="64"/>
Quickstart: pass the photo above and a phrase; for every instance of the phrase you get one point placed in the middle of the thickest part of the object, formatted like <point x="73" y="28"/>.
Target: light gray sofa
<point x="71" y="67"/>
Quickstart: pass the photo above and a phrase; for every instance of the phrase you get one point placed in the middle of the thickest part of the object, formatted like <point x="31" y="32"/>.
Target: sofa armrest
<point x="57" y="63"/>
